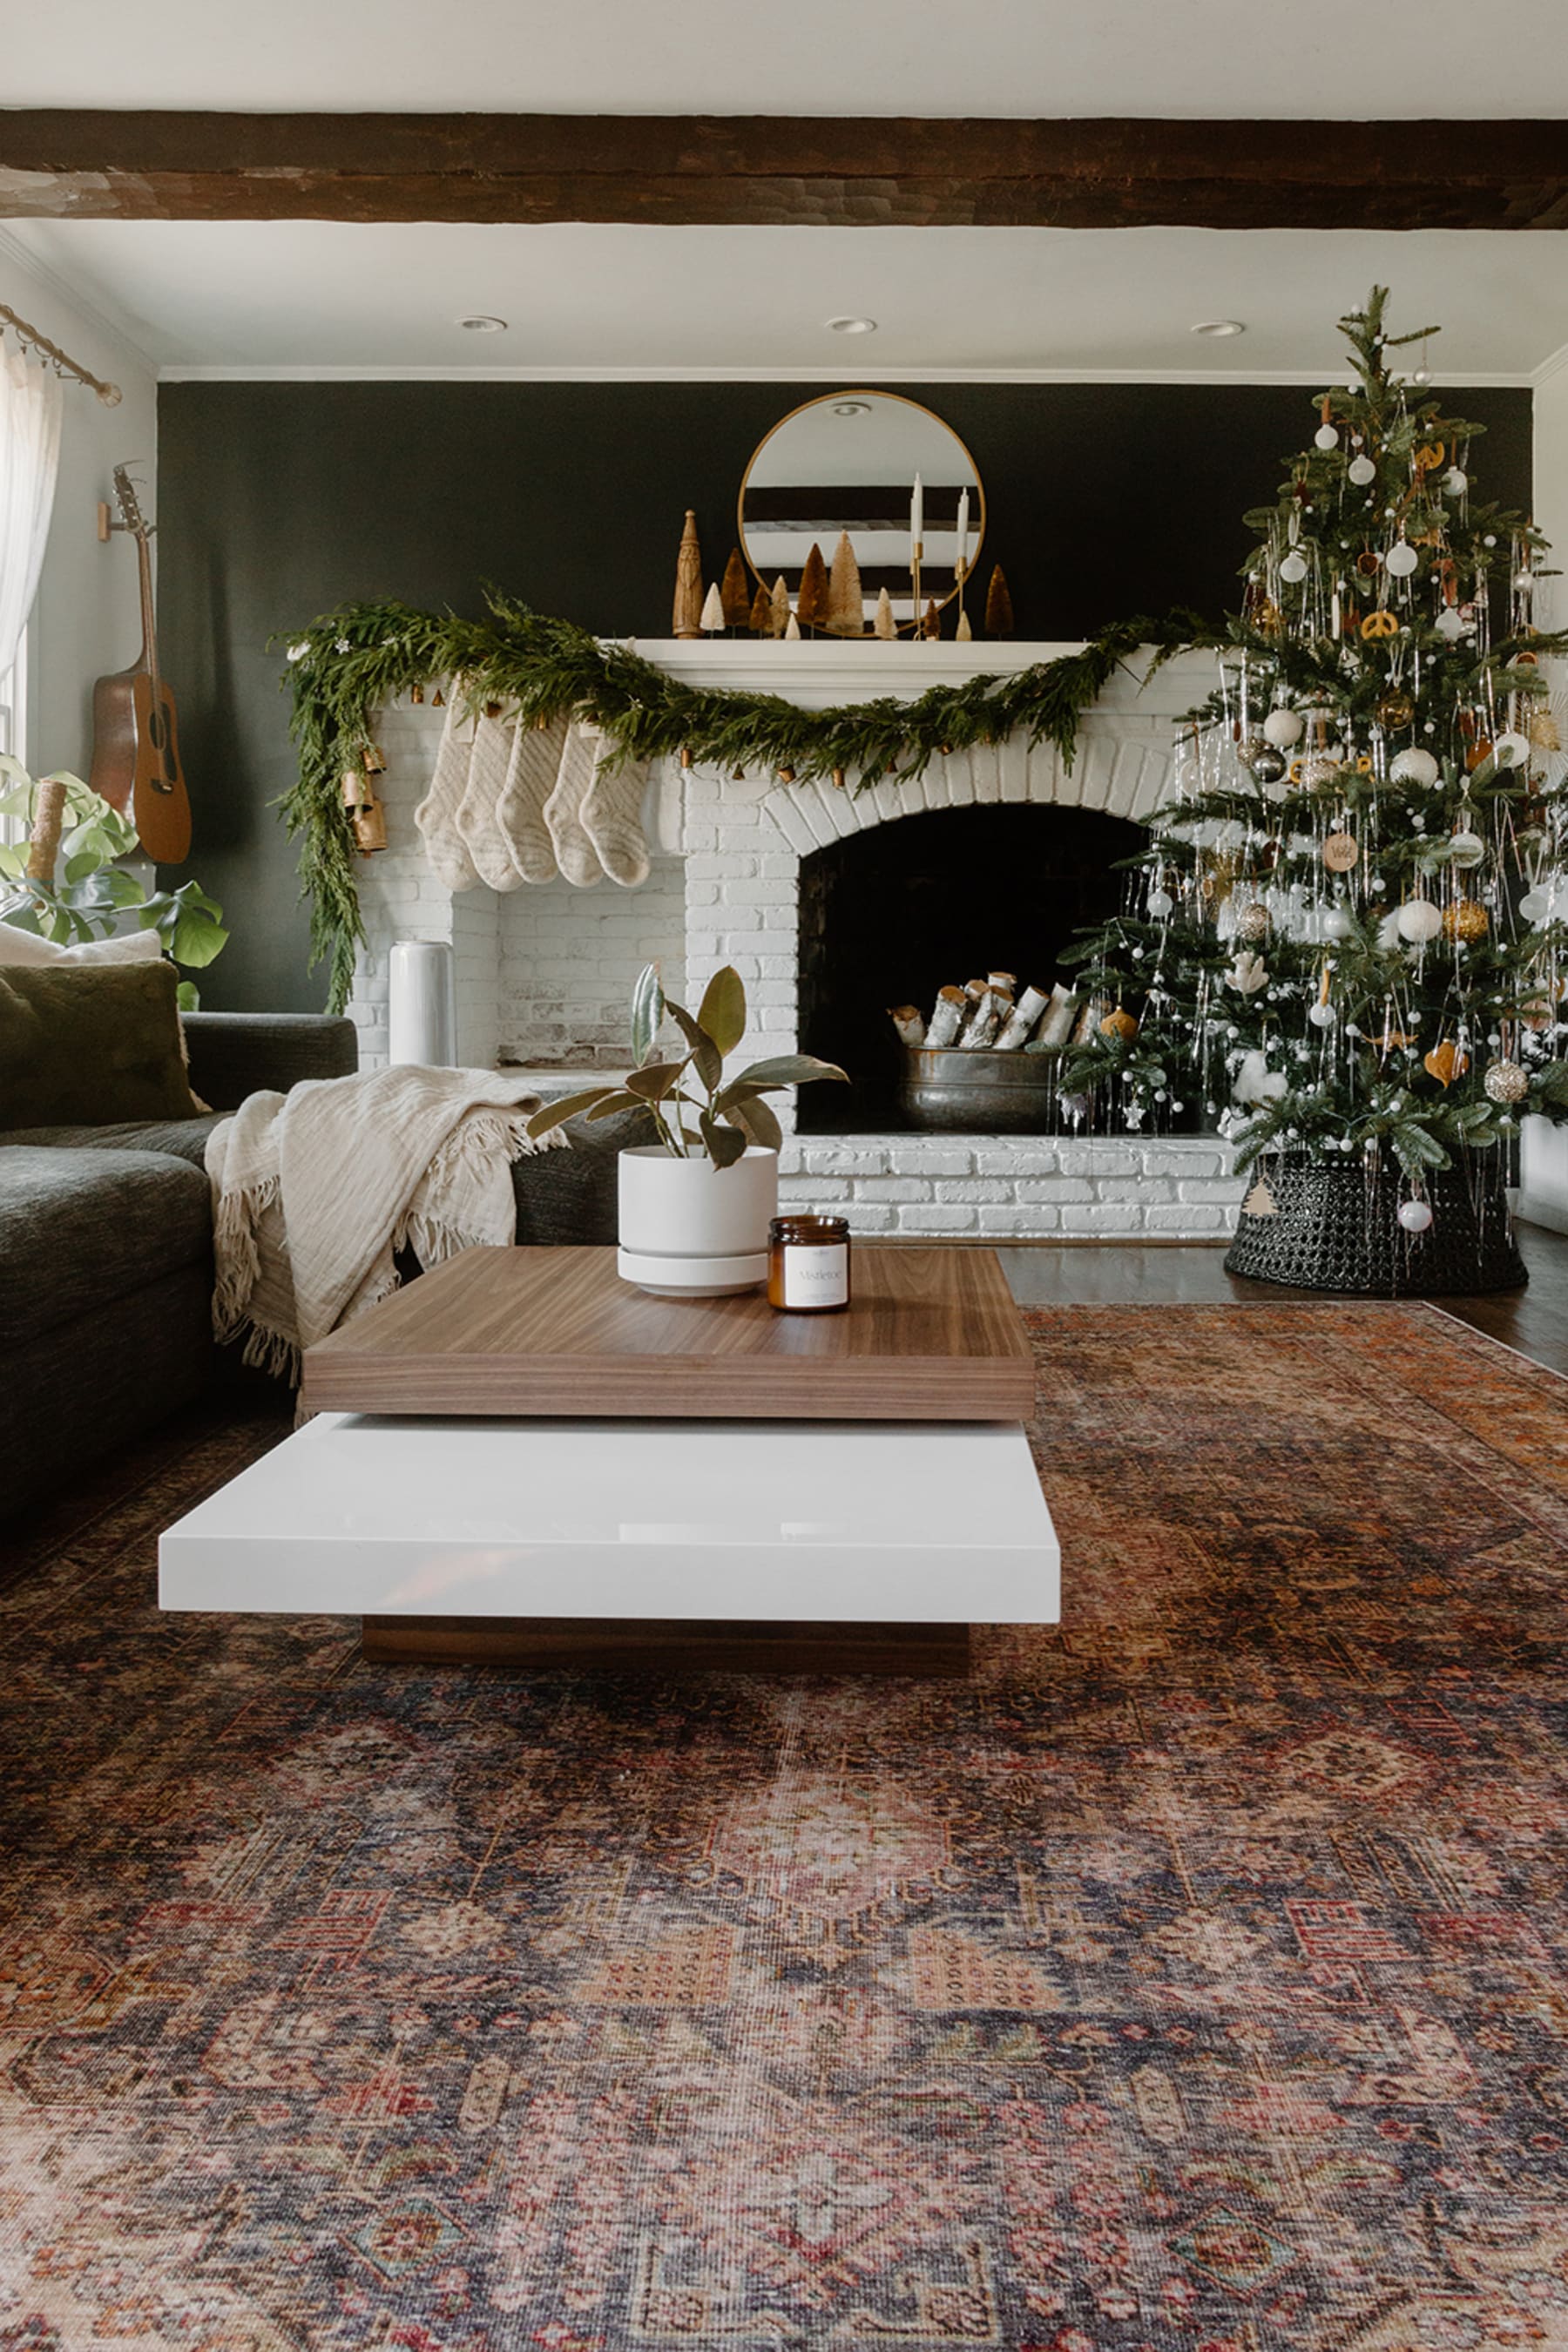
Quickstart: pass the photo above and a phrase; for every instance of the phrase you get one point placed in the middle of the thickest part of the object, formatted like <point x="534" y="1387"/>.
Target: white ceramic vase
<point x="689" y="1230"/>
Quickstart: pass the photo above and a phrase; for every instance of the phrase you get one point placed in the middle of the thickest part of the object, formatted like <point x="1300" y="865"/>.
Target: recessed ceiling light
<point x="853" y="326"/>
<point x="852" y="408"/>
<point x="1219" y="327"/>
<point x="479" y="324"/>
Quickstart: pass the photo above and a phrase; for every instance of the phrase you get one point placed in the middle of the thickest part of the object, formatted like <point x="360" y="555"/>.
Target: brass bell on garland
<point x="366" y="811"/>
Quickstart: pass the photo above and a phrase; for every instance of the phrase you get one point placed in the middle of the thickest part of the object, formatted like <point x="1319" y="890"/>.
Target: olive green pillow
<point x="85" y="1046"/>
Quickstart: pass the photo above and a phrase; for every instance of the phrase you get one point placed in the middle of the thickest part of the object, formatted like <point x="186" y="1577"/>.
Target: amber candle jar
<point x="808" y="1264"/>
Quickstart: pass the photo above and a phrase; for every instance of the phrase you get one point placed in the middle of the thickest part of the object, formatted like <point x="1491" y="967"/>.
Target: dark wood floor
<point x="1533" y="1320"/>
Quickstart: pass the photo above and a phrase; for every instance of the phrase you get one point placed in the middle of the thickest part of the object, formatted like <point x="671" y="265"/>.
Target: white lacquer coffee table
<point x="521" y="1458"/>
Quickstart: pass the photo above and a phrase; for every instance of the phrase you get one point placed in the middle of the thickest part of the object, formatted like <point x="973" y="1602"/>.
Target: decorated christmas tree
<point x="1348" y="937"/>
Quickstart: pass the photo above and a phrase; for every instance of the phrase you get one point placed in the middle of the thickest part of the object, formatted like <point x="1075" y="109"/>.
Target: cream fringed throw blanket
<point x="314" y="1192"/>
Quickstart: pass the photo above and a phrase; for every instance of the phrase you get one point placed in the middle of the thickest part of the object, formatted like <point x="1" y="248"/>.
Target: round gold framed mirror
<point x="848" y="462"/>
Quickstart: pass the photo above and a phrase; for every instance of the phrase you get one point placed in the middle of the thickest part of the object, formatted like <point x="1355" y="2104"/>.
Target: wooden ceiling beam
<point x="762" y="169"/>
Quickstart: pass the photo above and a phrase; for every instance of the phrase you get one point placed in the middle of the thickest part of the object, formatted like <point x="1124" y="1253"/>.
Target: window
<point x="14" y="727"/>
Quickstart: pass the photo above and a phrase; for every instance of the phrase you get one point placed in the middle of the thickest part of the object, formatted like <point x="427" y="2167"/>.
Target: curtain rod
<point x="61" y="362"/>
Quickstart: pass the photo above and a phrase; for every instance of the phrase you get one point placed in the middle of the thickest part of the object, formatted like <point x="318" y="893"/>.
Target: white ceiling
<point x="1195" y="58"/>
<point x="260" y="298"/>
<point x="263" y="297"/>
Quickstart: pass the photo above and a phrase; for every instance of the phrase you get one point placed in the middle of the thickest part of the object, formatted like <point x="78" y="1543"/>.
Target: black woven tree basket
<point x="1335" y="1226"/>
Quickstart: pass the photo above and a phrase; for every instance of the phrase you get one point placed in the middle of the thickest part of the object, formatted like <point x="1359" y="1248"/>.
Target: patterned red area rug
<point x="1193" y="1980"/>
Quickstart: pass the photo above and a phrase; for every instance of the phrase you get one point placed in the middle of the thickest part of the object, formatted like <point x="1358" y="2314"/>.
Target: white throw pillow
<point x="128" y="947"/>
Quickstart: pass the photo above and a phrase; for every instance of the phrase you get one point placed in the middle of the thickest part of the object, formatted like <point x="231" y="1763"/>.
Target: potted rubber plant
<point x="695" y="1206"/>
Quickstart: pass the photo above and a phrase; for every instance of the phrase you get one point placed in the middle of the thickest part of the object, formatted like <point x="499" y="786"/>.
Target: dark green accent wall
<point x="277" y="501"/>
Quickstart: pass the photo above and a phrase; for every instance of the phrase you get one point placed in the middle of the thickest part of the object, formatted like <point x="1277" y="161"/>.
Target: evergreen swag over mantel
<point x="355" y="660"/>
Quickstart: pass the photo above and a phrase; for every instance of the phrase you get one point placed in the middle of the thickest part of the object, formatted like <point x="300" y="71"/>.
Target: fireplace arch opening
<point x="892" y="914"/>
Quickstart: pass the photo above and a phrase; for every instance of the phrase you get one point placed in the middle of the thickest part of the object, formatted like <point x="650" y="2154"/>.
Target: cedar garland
<point x="354" y="661"/>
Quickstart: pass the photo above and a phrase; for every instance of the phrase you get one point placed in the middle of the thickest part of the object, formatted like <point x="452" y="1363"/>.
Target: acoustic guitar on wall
<point x="135" y="736"/>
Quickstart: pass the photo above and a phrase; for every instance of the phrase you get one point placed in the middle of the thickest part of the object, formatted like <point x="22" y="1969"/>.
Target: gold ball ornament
<point x="1506" y="1083"/>
<point x="1466" y="920"/>
<point x="1341" y="852"/>
<point x="1395" y="709"/>
<point x="1120" y="1023"/>
<point x="1253" y="924"/>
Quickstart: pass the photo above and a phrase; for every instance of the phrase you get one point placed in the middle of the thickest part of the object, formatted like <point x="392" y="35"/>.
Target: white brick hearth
<point x="543" y="974"/>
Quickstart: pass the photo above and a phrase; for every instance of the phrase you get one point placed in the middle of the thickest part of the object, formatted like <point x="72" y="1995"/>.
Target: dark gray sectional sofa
<point x="106" y="1255"/>
<point x="106" y="1245"/>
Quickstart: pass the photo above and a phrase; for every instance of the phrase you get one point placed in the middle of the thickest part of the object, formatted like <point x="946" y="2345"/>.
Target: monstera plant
<point x="84" y="891"/>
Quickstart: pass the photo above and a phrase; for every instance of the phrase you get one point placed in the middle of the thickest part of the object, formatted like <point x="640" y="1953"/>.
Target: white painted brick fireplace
<point x="543" y="974"/>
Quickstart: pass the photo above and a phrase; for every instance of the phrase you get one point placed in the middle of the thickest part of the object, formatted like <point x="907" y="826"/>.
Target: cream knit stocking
<point x="478" y="818"/>
<point x="612" y="818"/>
<point x="578" y="858"/>
<point x="437" y="814"/>
<point x="529" y="780"/>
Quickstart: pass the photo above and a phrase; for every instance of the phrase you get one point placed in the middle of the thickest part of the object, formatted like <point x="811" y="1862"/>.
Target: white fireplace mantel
<point x="543" y="972"/>
<point x="817" y="672"/>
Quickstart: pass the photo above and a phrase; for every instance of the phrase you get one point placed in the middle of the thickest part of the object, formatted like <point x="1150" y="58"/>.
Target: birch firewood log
<point x="910" y="1023"/>
<point x="1015" y="1029"/>
<point x="986" y="1020"/>
<point x="1055" y="1028"/>
<point x="947" y="1015"/>
<point x="1088" y="1022"/>
<point x="1007" y="981"/>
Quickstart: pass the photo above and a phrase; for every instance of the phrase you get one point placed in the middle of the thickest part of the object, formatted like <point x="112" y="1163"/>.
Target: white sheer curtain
<point x="29" y="458"/>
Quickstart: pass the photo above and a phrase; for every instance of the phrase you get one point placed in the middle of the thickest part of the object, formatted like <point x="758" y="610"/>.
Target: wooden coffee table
<point x="520" y="1457"/>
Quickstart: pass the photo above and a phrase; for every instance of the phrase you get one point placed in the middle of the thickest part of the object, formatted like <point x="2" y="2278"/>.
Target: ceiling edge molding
<point x="15" y="255"/>
<point x="1309" y="380"/>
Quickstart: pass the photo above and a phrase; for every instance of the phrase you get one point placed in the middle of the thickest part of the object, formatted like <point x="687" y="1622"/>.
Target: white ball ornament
<point x="1360" y="471"/>
<point x="1326" y="437"/>
<point x="1511" y="750"/>
<point x="1416" y="1217"/>
<point x="1338" y="923"/>
<point x="1455" y="481"/>
<point x="1161" y="904"/>
<point x="1465" y="848"/>
<point x="1322" y="1016"/>
<point x="1283" y="728"/>
<point x="1536" y="906"/>
<point x="1419" y="921"/>
<point x="1293" y="568"/>
<point x="1413" y="766"/>
<point x="1448" y="623"/>
<point x="1401" y="559"/>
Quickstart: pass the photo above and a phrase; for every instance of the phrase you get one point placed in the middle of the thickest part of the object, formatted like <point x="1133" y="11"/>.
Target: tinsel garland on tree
<point x="1349" y="932"/>
<point x="354" y="661"/>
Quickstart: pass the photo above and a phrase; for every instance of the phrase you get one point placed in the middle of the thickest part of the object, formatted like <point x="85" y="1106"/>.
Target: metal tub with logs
<point x="988" y="1059"/>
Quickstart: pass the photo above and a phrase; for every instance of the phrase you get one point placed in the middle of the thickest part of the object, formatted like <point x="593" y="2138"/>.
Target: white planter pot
<point x="689" y="1230"/>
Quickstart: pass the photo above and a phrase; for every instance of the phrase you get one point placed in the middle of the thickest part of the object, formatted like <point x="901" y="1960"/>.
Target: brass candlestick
<point x="963" y="632"/>
<point x="917" y="550"/>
